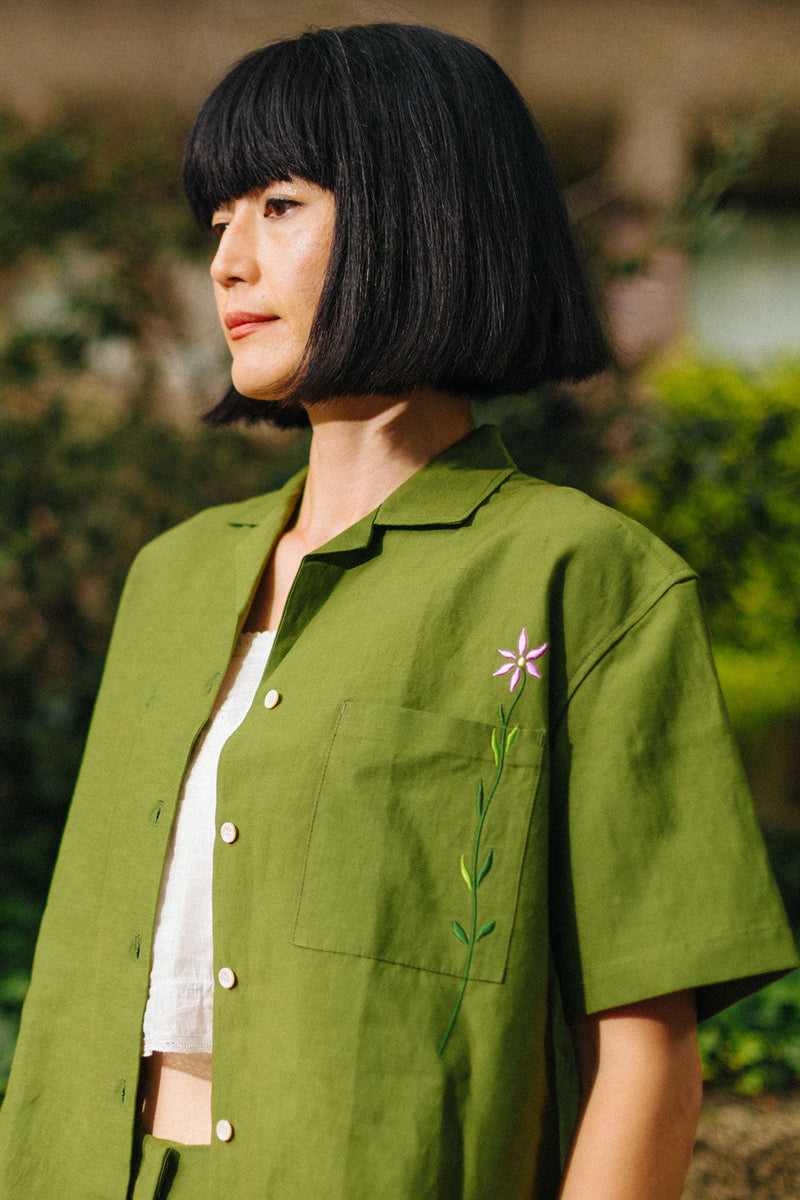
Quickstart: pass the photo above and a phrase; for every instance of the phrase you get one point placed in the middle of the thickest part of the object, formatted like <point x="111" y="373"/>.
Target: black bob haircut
<point x="452" y="263"/>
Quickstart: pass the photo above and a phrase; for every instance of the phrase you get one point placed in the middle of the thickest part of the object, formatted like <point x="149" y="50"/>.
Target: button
<point x="226" y="977"/>
<point x="272" y="698"/>
<point x="228" y="832"/>
<point x="224" y="1131"/>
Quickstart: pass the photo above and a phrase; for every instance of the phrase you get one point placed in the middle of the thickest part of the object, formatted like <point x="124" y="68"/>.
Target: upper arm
<point x="650" y="1041"/>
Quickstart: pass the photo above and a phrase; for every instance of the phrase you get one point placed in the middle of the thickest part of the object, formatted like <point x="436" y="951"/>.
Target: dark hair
<point x="452" y="262"/>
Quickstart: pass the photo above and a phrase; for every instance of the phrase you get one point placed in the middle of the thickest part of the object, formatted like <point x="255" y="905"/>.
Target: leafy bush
<point x="754" y="1046"/>
<point x="717" y="476"/>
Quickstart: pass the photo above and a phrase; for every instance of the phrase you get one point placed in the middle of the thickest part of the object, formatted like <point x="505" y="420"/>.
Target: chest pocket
<point x="396" y="809"/>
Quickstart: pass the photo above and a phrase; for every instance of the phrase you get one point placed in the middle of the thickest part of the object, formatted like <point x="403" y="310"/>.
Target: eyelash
<point x="219" y="227"/>
<point x="281" y="200"/>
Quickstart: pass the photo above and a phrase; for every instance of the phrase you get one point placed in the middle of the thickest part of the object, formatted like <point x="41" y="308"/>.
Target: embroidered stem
<point x="473" y="880"/>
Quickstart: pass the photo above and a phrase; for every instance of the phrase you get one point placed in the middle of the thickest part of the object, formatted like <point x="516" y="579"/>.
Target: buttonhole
<point x="138" y="946"/>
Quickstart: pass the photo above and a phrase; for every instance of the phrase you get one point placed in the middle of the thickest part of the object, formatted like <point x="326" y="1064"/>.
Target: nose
<point x="236" y="259"/>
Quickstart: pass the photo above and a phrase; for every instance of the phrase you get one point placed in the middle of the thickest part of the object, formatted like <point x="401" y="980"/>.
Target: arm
<point x="641" y="1085"/>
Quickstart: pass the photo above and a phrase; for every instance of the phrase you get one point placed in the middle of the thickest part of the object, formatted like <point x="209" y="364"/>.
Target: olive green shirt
<point x="387" y="823"/>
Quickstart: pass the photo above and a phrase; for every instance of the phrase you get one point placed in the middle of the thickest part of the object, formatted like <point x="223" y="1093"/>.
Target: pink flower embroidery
<point x="522" y="659"/>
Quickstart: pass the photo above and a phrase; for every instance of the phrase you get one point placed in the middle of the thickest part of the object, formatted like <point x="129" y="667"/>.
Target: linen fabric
<point x="626" y="861"/>
<point x="178" y="1016"/>
<point x="164" y="1170"/>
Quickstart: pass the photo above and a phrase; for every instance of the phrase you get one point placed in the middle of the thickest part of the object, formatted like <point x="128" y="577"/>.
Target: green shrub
<point x="717" y="476"/>
<point x="754" y="1046"/>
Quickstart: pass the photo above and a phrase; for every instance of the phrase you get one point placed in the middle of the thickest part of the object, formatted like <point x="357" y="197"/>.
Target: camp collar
<point x="446" y="491"/>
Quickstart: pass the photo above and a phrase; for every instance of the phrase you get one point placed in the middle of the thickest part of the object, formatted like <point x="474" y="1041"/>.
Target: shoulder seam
<point x="601" y="647"/>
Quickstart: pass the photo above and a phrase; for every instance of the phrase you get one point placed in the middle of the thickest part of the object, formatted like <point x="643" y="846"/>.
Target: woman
<point x="439" y="747"/>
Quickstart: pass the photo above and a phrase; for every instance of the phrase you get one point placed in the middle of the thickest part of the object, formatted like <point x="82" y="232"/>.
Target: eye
<point x="218" y="228"/>
<point x="278" y="206"/>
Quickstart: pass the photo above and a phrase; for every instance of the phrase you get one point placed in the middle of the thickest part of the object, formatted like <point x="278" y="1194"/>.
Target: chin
<point x="251" y="380"/>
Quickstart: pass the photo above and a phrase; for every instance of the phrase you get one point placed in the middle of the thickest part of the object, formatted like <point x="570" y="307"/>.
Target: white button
<point x="224" y="1131"/>
<point x="272" y="698"/>
<point x="228" y="832"/>
<point x="226" y="977"/>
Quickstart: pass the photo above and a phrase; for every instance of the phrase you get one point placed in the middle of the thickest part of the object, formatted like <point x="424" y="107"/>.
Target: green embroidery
<point x="501" y="742"/>
<point x="523" y="664"/>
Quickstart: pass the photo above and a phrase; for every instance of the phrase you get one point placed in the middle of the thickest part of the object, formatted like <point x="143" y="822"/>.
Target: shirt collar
<point x="446" y="491"/>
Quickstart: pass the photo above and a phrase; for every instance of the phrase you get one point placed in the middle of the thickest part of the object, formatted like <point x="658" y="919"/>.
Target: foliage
<point x="110" y="182"/>
<point x="699" y="217"/>
<point x="716" y="475"/>
<point x="754" y="1046"/>
<point x="95" y="246"/>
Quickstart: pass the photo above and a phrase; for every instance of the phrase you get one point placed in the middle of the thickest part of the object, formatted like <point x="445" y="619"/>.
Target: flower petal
<point x="514" y="679"/>
<point x="506" y="667"/>
<point x="507" y="653"/>
<point x="538" y="652"/>
<point x="532" y="669"/>
<point x="522" y="644"/>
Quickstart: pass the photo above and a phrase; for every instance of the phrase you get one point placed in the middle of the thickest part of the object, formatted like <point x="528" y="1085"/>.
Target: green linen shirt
<point x="618" y="852"/>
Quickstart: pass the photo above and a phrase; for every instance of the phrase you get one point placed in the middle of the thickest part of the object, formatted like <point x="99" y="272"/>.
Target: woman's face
<point x="268" y="272"/>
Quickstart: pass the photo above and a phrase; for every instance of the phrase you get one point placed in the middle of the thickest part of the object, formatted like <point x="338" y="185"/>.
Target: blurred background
<point x="675" y="129"/>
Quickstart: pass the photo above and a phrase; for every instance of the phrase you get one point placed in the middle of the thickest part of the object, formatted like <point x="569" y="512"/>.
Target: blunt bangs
<point x="265" y="121"/>
<point x="452" y="264"/>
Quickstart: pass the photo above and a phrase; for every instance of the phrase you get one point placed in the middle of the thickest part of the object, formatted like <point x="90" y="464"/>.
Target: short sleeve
<point x="658" y="873"/>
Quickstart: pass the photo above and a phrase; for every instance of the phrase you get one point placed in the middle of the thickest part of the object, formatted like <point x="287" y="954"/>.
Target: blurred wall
<point x="626" y="91"/>
<point x="626" y="83"/>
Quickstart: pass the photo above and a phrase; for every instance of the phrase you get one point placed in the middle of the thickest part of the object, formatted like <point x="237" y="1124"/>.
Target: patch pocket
<point x="396" y="809"/>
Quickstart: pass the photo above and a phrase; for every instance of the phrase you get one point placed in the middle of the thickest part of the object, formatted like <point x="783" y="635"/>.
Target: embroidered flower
<point x="523" y="663"/>
<point x="522" y="659"/>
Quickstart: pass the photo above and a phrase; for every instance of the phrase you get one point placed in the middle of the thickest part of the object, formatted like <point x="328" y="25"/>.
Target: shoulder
<point x="578" y="542"/>
<point x="572" y="525"/>
<point x="199" y="539"/>
<point x="602" y="572"/>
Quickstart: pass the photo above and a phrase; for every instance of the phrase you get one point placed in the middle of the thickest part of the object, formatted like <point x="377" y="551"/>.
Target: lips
<point x="239" y="324"/>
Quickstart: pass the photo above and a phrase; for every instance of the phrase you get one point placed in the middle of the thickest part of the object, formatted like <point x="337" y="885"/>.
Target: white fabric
<point x="178" y="1016"/>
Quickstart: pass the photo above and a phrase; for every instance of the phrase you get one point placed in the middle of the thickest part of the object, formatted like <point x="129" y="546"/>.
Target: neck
<point x="363" y="448"/>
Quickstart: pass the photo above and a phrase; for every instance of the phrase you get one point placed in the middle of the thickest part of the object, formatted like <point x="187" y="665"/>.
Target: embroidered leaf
<point x="459" y="932"/>
<point x="518" y="667"/>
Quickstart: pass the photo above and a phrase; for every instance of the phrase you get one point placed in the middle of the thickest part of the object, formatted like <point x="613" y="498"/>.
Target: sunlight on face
<point x="268" y="273"/>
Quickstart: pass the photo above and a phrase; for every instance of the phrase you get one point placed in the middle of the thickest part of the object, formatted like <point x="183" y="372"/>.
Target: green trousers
<point x="167" y="1169"/>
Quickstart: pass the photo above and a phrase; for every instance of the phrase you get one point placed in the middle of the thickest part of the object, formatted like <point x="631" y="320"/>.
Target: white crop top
<point x="178" y="1016"/>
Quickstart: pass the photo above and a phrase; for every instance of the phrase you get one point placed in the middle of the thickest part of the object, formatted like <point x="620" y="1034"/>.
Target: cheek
<point x="312" y="270"/>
